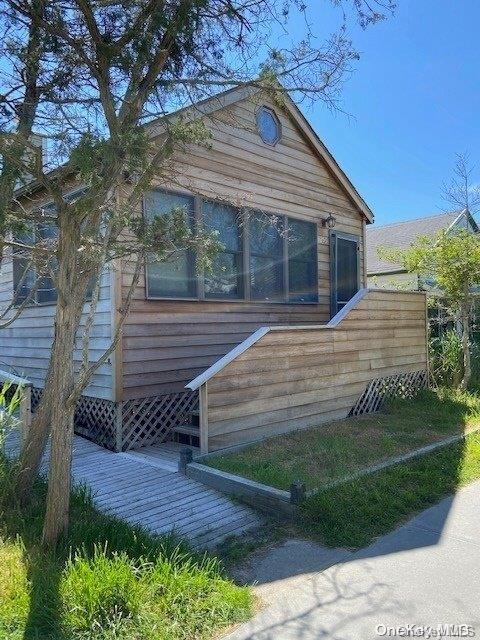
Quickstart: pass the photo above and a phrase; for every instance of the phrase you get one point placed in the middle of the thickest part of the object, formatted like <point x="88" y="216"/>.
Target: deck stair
<point x="189" y="432"/>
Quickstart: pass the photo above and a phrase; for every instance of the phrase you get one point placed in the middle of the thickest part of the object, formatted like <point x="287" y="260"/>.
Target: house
<point x="281" y="335"/>
<point x="401" y="235"/>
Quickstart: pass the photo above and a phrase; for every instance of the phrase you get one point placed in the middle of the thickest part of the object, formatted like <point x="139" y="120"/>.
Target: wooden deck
<point x="164" y="456"/>
<point x="138" y="489"/>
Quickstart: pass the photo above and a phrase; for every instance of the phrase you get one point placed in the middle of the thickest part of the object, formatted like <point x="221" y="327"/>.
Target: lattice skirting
<point x="95" y="419"/>
<point x="403" y="385"/>
<point x="151" y="420"/>
<point x="131" y="424"/>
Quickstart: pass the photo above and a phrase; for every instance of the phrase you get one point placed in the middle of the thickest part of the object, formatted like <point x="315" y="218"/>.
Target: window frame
<point x="334" y="236"/>
<point x="34" y="302"/>
<point x="244" y="214"/>
<point x="241" y="235"/>
<point x="192" y="260"/>
<point x="265" y="107"/>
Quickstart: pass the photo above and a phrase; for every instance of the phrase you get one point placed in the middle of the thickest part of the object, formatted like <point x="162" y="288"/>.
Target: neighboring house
<point x="401" y="235"/>
<point x="248" y="347"/>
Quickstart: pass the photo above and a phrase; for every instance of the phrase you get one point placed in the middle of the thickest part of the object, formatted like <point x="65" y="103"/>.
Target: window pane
<point x="302" y="280"/>
<point x="302" y="261"/>
<point x="159" y="203"/>
<point x="347" y="269"/>
<point x="23" y="283"/>
<point x="225" y="279"/>
<point x="175" y="277"/>
<point x="302" y="239"/>
<point x="46" y="291"/>
<point x="23" y="274"/>
<point x="268" y="125"/>
<point x="266" y="235"/>
<point x="266" y="278"/>
<point x="266" y="257"/>
<point x="225" y="220"/>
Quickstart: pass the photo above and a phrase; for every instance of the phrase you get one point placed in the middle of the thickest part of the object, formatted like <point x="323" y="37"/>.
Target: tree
<point x="128" y="63"/>
<point x="451" y="258"/>
<point x="460" y="192"/>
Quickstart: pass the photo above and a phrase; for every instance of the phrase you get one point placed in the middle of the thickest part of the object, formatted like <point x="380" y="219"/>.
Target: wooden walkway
<point x="159" y="499"/>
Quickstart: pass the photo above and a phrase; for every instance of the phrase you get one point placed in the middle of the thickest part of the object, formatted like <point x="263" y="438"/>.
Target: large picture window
<point x="175" y="277"/>
<point x="264" y="257"/>
<point x="225" y="279"/>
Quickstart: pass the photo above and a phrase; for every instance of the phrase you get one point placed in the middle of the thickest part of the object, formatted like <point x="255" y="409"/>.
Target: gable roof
<point x="236" y="94"/>
<point x="227" y="98"/>
<point x="401" y="235"/>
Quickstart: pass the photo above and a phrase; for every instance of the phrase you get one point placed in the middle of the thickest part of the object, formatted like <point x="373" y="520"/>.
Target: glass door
<point x="344" y="269"/>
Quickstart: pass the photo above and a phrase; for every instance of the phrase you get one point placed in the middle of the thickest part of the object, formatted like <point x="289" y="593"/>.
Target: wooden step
<point x="187" y="430"/>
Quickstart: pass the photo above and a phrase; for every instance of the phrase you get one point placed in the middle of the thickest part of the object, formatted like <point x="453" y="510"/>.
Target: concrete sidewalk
<point x="425" y="573"/>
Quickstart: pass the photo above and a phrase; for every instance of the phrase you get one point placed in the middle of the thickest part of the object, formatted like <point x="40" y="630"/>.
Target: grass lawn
<point x="355" y="513"/>
<point x="107" y="580"/>
<point x="329" y="452"/>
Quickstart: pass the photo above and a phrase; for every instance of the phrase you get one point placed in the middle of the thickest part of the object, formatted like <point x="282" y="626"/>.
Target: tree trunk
<point x="59" y="479"/>
<point x="32" y="450"/>
<point x="467" y="367"/>
<point x="62" y="414"/>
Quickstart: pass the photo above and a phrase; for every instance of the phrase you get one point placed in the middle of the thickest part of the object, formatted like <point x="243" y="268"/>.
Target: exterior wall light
<point x="329" y="222"/>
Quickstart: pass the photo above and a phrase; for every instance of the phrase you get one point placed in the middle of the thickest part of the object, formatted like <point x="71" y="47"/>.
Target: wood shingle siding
<point x="166" y="343"/>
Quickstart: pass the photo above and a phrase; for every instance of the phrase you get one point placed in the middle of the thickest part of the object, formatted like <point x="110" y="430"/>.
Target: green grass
<point x="329" y="452"/>
<point x="107" y="580"/>
<point x="355" y="513"/>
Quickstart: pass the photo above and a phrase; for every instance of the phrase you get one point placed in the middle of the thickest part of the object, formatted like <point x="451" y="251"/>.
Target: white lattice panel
<point x="151" y="420"/>
<point x="144" y="421"/>
<point x="403" y="385"/>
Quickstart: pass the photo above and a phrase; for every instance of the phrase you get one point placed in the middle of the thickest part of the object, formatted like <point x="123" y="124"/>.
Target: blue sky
<point x="414" y="101"/>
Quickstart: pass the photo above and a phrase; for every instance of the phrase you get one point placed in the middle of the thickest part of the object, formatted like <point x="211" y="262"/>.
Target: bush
<point x="446" y="357"/>
<point x="446" y="360"/>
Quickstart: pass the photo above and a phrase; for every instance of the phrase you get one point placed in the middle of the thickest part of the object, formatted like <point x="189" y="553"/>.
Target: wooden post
<point x="25" y="411"/>
<point x="427" y="359"/>
<point x="297" y="492"/>
<point x="203" y="397"/>
<point x="186" y="456"/>
<point x="118" y="426"/>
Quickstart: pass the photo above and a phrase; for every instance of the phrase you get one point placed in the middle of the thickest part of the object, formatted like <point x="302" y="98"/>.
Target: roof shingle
<point x="401" y="235"/>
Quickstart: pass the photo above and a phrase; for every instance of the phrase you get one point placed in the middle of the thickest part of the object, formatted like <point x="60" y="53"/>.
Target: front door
<point x="344" y="269"/>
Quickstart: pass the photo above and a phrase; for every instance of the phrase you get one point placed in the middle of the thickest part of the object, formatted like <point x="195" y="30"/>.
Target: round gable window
<point x="268" y="125"/>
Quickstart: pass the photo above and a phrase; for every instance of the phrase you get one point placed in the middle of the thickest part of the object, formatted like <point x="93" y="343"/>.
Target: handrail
<point x="201" y="379"/>
<point x="227" y="358"/>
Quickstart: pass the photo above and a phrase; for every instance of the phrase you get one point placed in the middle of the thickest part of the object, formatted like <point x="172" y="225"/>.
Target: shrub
<point x="445" y="355"/>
